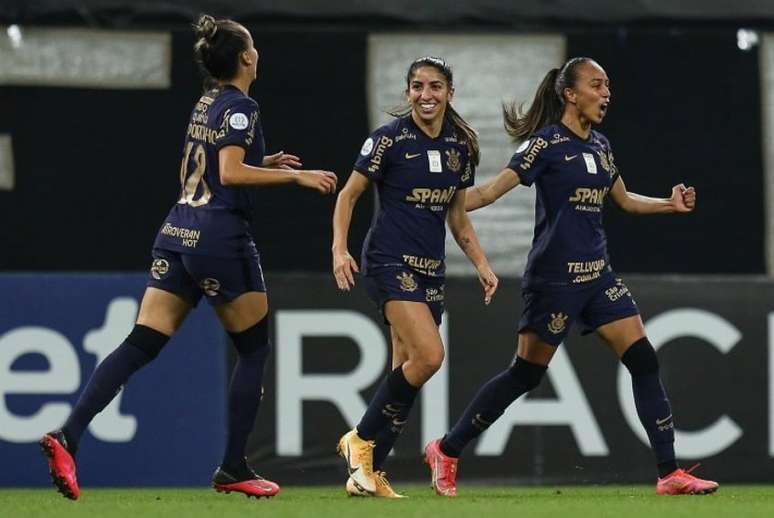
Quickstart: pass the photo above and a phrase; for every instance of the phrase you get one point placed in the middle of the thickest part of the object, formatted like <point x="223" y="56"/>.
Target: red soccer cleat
<point x="61" y="464"/>
<point x="256" y="486"/>
<point x="443" y="469"/>
<point x="681" y="482"/>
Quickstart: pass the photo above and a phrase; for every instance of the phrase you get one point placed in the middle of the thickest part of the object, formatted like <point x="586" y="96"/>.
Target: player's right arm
<point x="344" y="265"/>
<point x="526" y="164"/>
<point x="482" y="195"/>
<point x="234" y="172"/>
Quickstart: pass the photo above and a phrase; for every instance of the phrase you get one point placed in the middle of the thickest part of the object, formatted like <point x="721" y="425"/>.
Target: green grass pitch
<point x="476" y="501"/>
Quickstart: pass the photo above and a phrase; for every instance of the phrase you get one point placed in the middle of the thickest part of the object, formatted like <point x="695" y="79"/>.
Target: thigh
<point x="243" y="312"/>
<point x="162" y="310"/>
<point x="534" y="349"/>
<point x="414" y="324"/>
<point x="614" y="315"/>
<point x="622" y="333"/>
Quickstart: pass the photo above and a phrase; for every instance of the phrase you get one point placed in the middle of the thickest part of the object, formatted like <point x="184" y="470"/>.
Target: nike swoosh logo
<point x="409" y="156"/>
<point x="569" y="157"/>
<point x="479" y="418"/>
<point x="352" y="469"/>
<point x="659" y="422"/>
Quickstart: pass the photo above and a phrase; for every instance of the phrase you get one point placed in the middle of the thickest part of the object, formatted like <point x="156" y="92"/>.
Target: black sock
<point x="386" y="438"/>
<point x="665" y="468"/>
<point x="490" y="402"/>
<point x="141" y="346"/>
<point x="656" y="417"/>
<point x="394" y="396"/>
<point x="652" y="403"/>
<point x="245" y="392"/>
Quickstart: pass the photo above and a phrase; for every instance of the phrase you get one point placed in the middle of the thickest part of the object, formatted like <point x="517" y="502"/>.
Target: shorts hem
<point x="186" y="297"/>
<point x="548" y="339"/>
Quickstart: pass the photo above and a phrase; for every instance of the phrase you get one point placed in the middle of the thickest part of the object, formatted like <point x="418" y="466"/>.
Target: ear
<point x="570" y="96"/>
<point x="245" y="57"/>
<point x="451" y="93"/>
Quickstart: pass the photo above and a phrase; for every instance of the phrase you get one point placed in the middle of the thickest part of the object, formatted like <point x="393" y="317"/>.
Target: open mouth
<point x="427" y="107"/>
<point x="603" y="107"/>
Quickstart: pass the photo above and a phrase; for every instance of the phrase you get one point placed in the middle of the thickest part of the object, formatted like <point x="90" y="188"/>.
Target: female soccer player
<point x="204" y="248"/>
<point x="568" y="275"/>
<point x="422" y="163"/>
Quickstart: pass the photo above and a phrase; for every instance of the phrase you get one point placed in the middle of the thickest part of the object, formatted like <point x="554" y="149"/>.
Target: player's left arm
<point x="683" y="199"/>
<point x="465" y="235"/>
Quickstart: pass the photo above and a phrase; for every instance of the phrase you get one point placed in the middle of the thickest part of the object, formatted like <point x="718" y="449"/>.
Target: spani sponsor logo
<point x="426" y="195"/>
<point x="589" y="195"/>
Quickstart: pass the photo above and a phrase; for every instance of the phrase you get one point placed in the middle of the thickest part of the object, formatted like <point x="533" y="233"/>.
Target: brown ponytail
<point x="548" y="105"/>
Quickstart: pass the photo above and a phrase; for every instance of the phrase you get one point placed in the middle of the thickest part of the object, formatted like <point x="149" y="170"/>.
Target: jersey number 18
<point x="191" y="184"/>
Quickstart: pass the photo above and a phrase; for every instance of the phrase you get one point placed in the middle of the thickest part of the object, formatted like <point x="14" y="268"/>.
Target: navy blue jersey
<point x="572" y="177"/>
<point x="210" y="218"/>
<point x="416" y="177"/>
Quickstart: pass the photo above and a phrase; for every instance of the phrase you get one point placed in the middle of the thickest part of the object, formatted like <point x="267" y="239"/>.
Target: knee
<point x="148" y="340"/>
<point x="429" y="360"/>
<point x="253" y="341"/>
<point x="529" y="374"/>
<point x="640" y="358"/>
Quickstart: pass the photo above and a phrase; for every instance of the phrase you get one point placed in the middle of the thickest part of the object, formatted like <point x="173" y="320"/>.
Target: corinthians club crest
<point x="604" y="162"/>
<point x="407" y="282"/>
<point x="453" y="160"/>
<point x="557" y="323"/>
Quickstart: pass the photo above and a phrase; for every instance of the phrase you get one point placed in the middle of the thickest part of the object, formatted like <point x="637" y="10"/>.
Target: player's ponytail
<point x="217" y="48"/>
<point x="548" y="105"/>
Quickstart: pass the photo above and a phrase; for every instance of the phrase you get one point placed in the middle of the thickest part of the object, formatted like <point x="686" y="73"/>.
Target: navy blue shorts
<point x="395" y="283"/>
<point x="551" y="312"/>
<point x="219" y="279"/>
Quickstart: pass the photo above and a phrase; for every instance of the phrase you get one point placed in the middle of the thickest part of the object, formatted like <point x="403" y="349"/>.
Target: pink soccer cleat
<point x="443" y="469"/>
<point x="681" y="482"/>
<point x="253" y="486"/>
<point x="61" y="464"/>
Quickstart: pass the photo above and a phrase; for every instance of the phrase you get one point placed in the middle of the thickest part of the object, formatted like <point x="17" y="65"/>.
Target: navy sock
<point x="387" y="436"/>
<point x="652" y="403"/>
<point x="394" y="396"/>
<point x="141" y="346"/>
<point x="490" y="403"/>
<point x="245" y="392"/>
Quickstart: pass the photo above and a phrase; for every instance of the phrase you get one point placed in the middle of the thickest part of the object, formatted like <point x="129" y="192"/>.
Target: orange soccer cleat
<point x="681" y="482"/>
